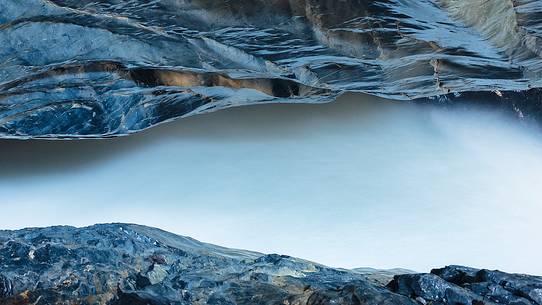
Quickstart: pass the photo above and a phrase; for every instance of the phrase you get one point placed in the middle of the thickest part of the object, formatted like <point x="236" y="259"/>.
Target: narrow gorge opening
<point x="437" y="185"/>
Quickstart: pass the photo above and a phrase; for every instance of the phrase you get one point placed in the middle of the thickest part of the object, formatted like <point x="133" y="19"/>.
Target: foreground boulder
<point x="122" y="264"/>
<point x="463" y="285"/>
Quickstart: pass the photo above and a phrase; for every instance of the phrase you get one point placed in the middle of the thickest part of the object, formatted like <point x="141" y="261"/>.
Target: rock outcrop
<point x="85" y="68"/>
<point x="463" y="285"/>
<point x="124" y="264"/>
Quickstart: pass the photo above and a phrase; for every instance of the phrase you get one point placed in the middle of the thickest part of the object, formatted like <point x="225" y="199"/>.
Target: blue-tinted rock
<point x="6" y="287"/>
<point x="129" y="264"/>
<point x="464" y="285"/>
<point x="84" y="68"/>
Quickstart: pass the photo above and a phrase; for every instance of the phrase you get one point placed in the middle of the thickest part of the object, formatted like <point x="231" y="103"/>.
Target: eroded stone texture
<point x="121" y="264"/>
<point x="105" y="68"/>
<point x="463" y="285"/>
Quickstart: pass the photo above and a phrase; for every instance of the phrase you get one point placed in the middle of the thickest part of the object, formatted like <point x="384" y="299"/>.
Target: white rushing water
<point x="360" y="182"/>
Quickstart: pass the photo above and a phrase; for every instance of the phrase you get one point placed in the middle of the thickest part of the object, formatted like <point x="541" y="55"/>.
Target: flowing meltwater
<point x="402" y="185"/>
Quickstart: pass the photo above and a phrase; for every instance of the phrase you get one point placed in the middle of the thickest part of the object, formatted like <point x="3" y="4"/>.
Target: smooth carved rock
<point x="122" y="264"/>
<point x="85" y="68"/>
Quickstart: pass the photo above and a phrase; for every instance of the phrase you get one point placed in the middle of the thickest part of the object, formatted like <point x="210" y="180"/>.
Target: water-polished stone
<point x="106" y="68"/>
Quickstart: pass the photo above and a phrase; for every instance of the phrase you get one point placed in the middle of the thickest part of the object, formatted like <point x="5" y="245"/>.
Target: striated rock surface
<point x="85" y="68"/>
<point x="130" y="264"/>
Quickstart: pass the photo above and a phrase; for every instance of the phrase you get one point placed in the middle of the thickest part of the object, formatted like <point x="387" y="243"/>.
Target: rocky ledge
<point x="131" y="264"/>
<point x="96" y="69"/>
